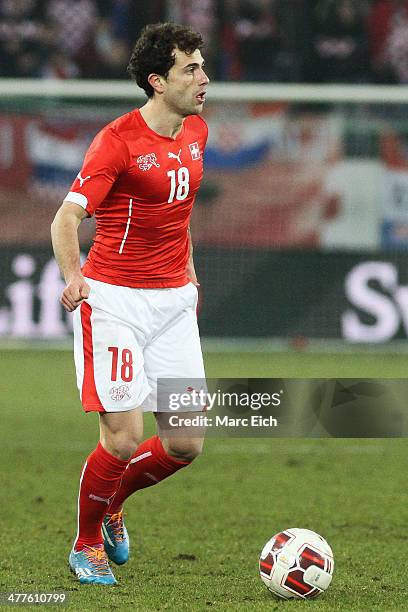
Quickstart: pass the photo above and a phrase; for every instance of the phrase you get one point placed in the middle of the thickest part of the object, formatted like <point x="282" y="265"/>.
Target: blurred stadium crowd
<point x="349" y="41"/>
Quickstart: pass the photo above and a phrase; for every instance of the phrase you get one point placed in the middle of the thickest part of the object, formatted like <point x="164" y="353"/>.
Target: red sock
<point x="100" y="479"/>
<point x="149" y="465"/>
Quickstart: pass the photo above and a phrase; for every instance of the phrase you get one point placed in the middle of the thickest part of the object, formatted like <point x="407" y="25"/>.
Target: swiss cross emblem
<point x="194" y="150"/>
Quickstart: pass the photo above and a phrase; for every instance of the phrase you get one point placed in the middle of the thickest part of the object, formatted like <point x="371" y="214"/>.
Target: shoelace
<point x="116" y="522"/>
<point x="97" y="559"/>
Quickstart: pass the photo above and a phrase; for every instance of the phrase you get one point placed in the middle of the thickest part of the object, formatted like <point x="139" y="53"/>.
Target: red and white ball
<point x="296" y="563"/>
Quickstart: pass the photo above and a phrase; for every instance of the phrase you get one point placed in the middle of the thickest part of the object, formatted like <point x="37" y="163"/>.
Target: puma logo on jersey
<point x="82" y="180"/>
<point x="174" y="156"/>
<point x="147" y="161"/>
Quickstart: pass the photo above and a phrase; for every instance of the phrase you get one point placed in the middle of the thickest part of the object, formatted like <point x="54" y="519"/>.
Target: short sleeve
<point x="107" y="157"/>
<point x="205" y="126"/>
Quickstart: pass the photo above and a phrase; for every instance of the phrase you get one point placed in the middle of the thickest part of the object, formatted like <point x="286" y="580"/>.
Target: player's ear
<point x="157" y="82"/>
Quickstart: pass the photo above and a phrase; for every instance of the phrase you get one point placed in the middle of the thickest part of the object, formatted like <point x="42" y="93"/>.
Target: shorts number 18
<point x="126" y="368"/>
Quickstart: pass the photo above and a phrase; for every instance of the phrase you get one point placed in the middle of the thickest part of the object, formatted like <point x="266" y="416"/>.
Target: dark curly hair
<point x="154" y="51"/>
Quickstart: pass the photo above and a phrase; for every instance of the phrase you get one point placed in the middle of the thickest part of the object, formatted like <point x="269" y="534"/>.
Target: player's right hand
<point x="76" y="291"/>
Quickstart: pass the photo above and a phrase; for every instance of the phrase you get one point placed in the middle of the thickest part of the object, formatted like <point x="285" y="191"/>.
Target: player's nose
<point x="204" y="80"/>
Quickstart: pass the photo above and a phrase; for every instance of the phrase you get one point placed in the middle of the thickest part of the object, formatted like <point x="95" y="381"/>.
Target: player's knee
<point x="122" y="446"/>
<point x="183" y="450"/>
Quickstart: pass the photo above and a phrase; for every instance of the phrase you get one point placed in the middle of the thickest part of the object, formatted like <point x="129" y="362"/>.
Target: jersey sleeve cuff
<point x="77" y="198"/>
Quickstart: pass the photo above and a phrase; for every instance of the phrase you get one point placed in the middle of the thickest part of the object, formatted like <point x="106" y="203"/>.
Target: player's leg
<point x="120" y="433"/>
<point x="111" y="379"/>
<point x="175" y="353"/>
<point x="156" y="458"/>
<point x="103" y="471"/>
<point x="100" y="480"/>
<point x="182" y="443"/>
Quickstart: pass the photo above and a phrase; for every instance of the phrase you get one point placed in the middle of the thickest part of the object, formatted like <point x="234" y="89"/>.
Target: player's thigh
<point x="109" y="361"/>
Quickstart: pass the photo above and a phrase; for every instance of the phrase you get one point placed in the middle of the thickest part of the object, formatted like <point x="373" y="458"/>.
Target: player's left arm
<point x="190" y="269"/>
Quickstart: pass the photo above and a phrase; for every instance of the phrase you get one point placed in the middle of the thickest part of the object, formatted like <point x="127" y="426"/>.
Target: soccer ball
<point x="296" y="563"/>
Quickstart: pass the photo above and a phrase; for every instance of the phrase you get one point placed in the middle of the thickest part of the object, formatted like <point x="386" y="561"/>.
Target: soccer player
<point x="135" y="298"/>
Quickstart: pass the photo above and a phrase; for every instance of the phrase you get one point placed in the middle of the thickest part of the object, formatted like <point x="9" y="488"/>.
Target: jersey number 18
<point x="179" y="184"/>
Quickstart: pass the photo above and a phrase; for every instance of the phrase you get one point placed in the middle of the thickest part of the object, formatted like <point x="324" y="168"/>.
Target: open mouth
<point x="201" y="97"/>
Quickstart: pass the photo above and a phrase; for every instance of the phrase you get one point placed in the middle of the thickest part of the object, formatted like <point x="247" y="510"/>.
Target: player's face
<point x="186" y="84"/>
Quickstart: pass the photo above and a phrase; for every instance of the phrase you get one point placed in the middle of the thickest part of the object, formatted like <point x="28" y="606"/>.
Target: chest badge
<point x="147" y="161"/>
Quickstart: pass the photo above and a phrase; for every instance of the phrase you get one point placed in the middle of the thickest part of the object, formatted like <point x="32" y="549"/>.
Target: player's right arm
<point x="64" y="233"/>
<point x="105" y="159"/>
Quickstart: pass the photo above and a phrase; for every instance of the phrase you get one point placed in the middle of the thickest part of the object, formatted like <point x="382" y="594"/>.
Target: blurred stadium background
<point x="301" y="225"/>
<point x="301" y="245"/>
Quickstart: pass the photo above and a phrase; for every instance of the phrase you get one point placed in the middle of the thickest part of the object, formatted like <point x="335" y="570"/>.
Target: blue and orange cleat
<point x="116" y="538"/>
<point x="91" y="565"/>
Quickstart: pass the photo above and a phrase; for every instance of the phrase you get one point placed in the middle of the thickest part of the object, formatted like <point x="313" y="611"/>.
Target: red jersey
<point x="141" y="187"/>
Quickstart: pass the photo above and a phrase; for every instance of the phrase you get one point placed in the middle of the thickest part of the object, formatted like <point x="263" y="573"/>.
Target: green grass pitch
<point x="196" y="537"/>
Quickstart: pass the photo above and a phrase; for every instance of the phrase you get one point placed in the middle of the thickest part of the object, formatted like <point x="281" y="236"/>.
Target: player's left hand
<point x="191" y="273"/>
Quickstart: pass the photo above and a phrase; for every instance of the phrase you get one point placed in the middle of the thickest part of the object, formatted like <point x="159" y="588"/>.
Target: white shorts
<point x="125" y="339"/>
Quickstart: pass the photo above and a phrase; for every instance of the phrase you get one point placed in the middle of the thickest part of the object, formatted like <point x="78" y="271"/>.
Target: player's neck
<point x="161" y="120"/>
